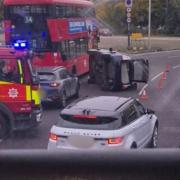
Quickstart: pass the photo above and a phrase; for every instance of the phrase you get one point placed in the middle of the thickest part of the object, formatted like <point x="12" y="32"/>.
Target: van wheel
<point x="77" y="91"/>
<point x="91" y="80"/>
<point x="3" y="127"/>
<point x="74" y="70"/>
<point x="63" y="100"/>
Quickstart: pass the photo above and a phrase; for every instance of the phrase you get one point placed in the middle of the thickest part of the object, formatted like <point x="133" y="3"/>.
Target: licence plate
<point x="81" y="141"/>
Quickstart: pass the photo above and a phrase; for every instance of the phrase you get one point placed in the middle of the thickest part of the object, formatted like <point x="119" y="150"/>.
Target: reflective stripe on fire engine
<point x="20" y="71"/>
<point x="36" y="97"/>
<point x="28" y="93"/>
<point x="3" y="82"/>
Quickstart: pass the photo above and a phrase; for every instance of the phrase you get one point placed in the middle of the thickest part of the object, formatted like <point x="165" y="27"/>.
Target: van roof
<point x="122" y="56"/>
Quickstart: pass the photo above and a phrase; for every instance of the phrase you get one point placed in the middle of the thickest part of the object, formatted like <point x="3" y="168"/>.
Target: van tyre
<point x="74" y="70"/>
<point x="154" y="139"/>
<point x="63" y="100"/>
<point x="77" y="91"/>
<point x="91" y="80"/>
<point x="4" y="128"/>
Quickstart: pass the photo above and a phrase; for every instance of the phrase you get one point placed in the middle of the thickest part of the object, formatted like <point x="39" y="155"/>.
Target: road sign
<point x="128" y="9"/>
<point x="128" y="15"/>
<point x="128" y="3"/>
<point x="128" y="20"/>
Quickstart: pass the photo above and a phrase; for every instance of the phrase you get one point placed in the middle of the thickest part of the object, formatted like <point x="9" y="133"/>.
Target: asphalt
<point x="163" y="97"/>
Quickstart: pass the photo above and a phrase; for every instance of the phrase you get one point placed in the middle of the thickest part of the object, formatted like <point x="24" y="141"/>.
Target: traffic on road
<point x="58" y="90"/>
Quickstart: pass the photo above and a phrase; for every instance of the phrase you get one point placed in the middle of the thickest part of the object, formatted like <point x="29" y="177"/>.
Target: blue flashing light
<point x="20" y="44"/>
<point x="16" y="45"/>
<point x="43" y="34"/>
<point x="23" y="44"/>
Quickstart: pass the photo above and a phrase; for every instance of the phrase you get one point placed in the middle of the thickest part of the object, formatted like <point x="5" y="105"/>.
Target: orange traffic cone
<point x="163" y="77"/>
<point x="167" y="67"/>
<point x="143" y="95"/>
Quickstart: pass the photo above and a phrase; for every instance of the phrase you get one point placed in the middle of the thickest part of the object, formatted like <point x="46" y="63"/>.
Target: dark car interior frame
<point x="60" y="165"/>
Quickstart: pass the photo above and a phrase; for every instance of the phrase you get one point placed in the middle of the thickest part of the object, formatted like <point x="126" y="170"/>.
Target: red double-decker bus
<point x="58" y="31"/>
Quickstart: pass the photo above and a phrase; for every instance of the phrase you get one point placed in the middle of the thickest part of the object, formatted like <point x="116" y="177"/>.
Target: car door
<point x="146" y="122"/>
<point x="65" y="81"/>
<point x="134" y="124"/>
<point x="139" y="70"/>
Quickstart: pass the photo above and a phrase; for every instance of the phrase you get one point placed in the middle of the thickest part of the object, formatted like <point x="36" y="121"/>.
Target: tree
<point x="165" y="15"/>
<point x="1" y="10"/>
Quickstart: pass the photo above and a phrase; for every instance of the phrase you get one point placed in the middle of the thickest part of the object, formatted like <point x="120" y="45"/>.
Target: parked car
<point x="105" y="122"/>
<point x="105" y="32"/>
<point x="57" y="85"/>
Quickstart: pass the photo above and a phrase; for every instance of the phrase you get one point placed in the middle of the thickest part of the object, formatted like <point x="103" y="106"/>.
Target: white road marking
<point x="158" y="52"/>
<point x="156" y="76"/>
<point x="175" y="67"/>
<point x="159" y="74"/>
<point x="144" y="87"/>
<point x="173" y="57"/>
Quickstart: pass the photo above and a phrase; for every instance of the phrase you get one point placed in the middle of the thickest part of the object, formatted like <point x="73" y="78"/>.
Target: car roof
<point x="50" y="69"/>
<point x="102" y="103"/>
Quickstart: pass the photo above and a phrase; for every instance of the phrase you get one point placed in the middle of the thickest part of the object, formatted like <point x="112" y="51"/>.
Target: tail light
<point x="54" y="84"/>
<point x="53" y="136"/>
<point x="84" y="117"/>
<point x="116" y="140"/>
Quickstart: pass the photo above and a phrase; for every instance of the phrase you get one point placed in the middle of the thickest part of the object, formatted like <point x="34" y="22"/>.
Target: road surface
<point x="165" y="101"/>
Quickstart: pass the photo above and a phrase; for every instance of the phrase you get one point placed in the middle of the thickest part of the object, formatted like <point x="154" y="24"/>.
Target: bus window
<point x="78" y="11"/>
<point x="69" y="12"/>
<point x="84" y="45"/>
<point x="60" y="11"/>
<point x="88" y="12"/>
<point x="72" y="49"/>
<point x="65" y="50"/>
<point x="78" y="47"/>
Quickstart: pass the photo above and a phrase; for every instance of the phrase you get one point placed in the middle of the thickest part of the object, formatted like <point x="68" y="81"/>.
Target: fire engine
<point x="20" y="107"/>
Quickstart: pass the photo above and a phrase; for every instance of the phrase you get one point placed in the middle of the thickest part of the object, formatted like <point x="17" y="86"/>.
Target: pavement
<point x="163" y="97"/>
<point x="157" y="43"/>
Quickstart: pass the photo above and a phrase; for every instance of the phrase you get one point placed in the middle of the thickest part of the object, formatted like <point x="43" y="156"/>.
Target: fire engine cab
<point x="19" y="92"/>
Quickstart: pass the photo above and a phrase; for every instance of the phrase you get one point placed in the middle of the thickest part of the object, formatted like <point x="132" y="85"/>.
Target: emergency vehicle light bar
<point x="20" y="44"/>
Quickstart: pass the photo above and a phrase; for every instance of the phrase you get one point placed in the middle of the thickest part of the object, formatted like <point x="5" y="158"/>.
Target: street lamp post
<point x="149" y="26"/>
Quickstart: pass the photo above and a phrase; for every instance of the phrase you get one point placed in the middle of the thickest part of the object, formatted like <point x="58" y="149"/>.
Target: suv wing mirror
<point x="150" y="111"/>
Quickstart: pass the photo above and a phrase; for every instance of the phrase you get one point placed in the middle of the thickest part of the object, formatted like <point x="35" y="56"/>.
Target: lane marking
<point x="156" y="76"/>
<point x="175" y="67"/>
<point x="173" y="57"/>
<point x="144" y="87"/>
<point x="159" y="52"/>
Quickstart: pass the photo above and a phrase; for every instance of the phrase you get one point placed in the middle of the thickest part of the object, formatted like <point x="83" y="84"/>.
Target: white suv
<point x="105" y="122"/>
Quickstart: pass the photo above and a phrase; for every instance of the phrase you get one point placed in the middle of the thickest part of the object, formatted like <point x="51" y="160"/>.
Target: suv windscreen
<point x="98" y="123"/>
